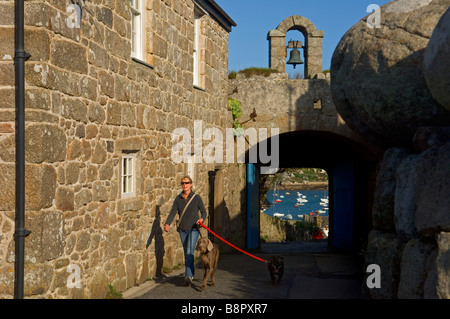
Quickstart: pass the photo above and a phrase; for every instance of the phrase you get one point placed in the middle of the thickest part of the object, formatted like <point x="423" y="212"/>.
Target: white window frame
<point x="128" y="175"/>
<point x="137" y="27"/>
<point x="197" y="36"/>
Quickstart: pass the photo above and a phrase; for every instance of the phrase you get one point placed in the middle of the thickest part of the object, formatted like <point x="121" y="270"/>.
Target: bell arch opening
<point x="296" y="40"/>
<point x="313" y="45"/>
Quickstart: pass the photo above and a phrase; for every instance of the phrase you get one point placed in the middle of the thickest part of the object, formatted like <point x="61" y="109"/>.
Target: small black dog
<point x="276" y="268"/>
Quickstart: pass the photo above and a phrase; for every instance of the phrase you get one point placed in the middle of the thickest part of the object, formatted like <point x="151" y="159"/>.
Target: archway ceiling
<point x="319" y="149"/>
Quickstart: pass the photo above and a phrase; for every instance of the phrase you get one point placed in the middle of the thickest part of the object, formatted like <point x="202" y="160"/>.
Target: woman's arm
<point x="171" y="216"/>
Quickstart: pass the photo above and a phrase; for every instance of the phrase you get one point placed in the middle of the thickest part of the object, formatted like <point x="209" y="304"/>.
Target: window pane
<point x="124" y="185"/>
<point x="130" y="166"/>
<point x="124" y="166"/>
<point x="136" y="32"/>
<point x="197" y="57"/>
<point x="129" y="185"/>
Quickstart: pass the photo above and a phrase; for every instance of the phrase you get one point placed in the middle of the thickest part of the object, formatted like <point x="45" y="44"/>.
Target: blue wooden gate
<point x="343" y="176"/>
<point x="252" y="206"/>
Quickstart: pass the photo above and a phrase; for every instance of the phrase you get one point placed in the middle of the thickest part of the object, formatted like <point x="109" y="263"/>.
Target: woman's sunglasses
<point x="182" y="183"/>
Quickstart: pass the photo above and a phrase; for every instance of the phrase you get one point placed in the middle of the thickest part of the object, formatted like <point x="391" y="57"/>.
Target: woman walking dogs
<point x="187" y="204"/>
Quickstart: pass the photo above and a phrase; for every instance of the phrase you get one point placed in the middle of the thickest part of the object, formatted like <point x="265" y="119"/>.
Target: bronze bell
<point x="295" y="59"/>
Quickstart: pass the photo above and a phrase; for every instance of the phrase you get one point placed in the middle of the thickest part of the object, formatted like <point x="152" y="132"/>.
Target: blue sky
<point x="248" y="45"/>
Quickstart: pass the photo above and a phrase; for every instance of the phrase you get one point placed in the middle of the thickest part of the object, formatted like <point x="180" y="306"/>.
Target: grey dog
<point x="209" y="255"/>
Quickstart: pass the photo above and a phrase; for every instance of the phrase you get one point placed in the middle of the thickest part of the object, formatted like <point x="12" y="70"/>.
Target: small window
<point x="136" y="29"/>
<point x="128" y="175"/>
<point x="197" y="36"/>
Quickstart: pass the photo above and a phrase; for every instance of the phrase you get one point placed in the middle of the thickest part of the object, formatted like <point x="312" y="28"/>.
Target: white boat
<point x="324" y="200"/>
<point x="321" y="211"/>
<point x="278" y="215"/>
<point x="288" y="216"/>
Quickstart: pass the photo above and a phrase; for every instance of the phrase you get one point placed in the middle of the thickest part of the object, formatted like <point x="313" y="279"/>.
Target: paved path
<point x="311" y="272"/>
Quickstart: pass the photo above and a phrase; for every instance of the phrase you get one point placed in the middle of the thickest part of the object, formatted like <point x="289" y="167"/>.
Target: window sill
<point x="143" y="63"/>
<point x="199" y="88"/>
<point x="130" y="204"/>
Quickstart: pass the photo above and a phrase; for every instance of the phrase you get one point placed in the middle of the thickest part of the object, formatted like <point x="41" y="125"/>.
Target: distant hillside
<point x="295" y="178"/>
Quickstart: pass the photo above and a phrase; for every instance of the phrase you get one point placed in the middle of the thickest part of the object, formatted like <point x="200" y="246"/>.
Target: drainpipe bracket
<point x="20" y="54"/>
<point x="22" y="232"/>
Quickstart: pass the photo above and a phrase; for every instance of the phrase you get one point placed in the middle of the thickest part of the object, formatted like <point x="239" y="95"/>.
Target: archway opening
<point x="351" y="175"/>
<point x="294" y="205"/>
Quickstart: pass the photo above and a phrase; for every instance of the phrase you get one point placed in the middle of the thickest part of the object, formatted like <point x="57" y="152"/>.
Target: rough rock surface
<point x="436" y="63"/>
<point x="377" y="78"/>
<point x="432" y="201"/>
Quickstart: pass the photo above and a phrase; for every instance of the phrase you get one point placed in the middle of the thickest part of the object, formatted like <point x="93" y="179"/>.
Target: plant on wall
<point x="235" y="107"/>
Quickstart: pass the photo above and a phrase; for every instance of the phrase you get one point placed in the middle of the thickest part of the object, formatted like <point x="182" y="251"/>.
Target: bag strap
<point x="181" y="216"/>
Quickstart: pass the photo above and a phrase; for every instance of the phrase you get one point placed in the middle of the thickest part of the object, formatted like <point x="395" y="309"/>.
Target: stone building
<point x="106" y="85"/>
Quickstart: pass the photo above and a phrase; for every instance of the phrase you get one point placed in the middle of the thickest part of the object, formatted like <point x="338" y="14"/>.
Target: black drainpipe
<point x="212" y="178"/>
<point x="20" y="232"/>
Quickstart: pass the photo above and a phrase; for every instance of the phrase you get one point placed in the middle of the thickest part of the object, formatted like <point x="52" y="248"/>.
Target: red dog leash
<point x="201" y="224"/>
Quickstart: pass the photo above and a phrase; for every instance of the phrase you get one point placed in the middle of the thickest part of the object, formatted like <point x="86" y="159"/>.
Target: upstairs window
<point x="128" y="175"/>
<point x="198" y="13"/>
<point x="137" y="50"/>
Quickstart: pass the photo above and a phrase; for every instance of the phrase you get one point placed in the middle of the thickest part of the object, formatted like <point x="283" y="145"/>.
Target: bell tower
<point x="312" y="46"/>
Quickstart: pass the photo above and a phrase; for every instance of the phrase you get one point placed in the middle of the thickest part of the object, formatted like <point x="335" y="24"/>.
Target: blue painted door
<point x="343" y="176"/>
<point x="252" y="206"/>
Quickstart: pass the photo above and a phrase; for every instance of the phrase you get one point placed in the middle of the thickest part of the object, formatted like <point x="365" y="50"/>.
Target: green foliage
<point x="263" y="239"/>
<point x="308" y="228"/>
<point x="235" y="107"/>
<point x="258" y="71"/>
<point x="311" y="174"/>
<point x="113" y="293"/>
<point x="249" y="72"/>
<point x="232" y="75"/>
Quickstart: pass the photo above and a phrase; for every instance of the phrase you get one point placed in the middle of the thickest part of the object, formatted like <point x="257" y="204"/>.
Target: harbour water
<point x="286" y="205"/>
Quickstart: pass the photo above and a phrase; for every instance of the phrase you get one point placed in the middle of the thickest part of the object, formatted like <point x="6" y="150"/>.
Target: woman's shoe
<point x="188" y="281"/>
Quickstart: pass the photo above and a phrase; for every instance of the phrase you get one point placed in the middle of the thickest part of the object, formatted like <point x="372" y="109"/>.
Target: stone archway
<point x="312" y="46"/>
<point x="351" y="168"/>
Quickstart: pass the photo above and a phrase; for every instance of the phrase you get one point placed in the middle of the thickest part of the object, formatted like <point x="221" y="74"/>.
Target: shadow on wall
<point x="315" y="110"/>
<point x="156" y="233"/>
<point x="231" y="229"/>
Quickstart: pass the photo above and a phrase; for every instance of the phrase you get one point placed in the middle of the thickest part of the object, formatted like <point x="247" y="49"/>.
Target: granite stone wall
<point x="411" y="225"/>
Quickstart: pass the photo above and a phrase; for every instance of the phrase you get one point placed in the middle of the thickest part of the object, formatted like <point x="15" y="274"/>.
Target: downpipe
<point x="20" y="56"/>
